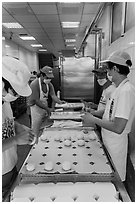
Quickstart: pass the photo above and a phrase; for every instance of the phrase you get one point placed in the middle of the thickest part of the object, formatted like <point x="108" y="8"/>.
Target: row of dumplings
<point x="66" y="165"/>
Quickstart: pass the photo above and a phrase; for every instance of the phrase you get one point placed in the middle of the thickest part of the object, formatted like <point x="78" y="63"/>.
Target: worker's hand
<point x="49" y="110"/>
<point x="63" y="102"/>
<point x="24" y="135"/>
<point x="88" y="120"/>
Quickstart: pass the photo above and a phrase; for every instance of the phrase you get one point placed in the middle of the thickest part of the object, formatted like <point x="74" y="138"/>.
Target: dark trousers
<point x="7" y="181"/>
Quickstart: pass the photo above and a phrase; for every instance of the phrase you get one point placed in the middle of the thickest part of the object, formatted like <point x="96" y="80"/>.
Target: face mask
<point x="9" y="97"/>
<point x="102" y="81"/>
<point x="46" y="81"/>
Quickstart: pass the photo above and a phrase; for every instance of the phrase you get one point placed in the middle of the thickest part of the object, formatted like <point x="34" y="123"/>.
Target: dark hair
<point x="129" y="63"/>
<point x="124" y="70"/>
<point x="7" y="85"/>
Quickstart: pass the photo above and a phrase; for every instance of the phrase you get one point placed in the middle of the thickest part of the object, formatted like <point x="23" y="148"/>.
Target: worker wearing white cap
<point x="119" y="112"/>
<point x="15" y="77"/>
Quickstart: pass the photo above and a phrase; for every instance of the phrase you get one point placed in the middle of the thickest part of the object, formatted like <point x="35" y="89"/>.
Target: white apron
<point x="120" y="105"/>
<point x="37" y="113"/>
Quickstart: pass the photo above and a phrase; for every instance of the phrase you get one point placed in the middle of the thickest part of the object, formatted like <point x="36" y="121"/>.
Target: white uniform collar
<point x="123" y="82"/>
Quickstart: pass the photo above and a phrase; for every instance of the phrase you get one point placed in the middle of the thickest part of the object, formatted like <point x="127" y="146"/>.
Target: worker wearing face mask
<point x="15" y="77"/>
<point x="107" y="86"/>
<point x="119" y="113"/>
<point x="38" y="101"/>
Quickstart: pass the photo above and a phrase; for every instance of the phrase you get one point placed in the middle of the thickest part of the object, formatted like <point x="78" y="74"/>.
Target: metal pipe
<point x="100" y="12"/>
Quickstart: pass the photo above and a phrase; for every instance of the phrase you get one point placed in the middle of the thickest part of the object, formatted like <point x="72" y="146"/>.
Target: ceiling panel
<point x="87" y="17"/>
<point x="43" y="20"/>
<point x="8" y="19"/>
<point x="70" y="17"/>
<point x="91" y="8"/>
<point x="51" y="25"/>
<point x="25" y="18"/>
<point x="14" y="4"/>
<point x="53" y="30"/>
<point x="44" y="9"/>
<point x="48" y="18"/>
<point x="31" y="25"/>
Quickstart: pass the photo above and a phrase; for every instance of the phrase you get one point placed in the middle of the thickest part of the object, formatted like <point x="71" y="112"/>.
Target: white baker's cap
<point x="17" y="74"/>
<point x="118" y="57"/>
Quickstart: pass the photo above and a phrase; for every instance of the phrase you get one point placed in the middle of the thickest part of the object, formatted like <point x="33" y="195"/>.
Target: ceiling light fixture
<point x="70" y="24"/>
<point x="12" y="25"/>
<point x="27" y="37"/>
<point x="70" y="45"/>
<point x="36" y="45"/>
<point x="43" y="50"/>
<point x="70" y="40"/>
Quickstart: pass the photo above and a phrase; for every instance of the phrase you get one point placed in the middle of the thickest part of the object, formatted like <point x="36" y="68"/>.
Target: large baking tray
<point x="83" y="159"/>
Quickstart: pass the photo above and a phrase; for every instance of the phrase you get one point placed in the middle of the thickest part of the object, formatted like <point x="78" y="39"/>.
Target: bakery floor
<point x="23" y="151"/>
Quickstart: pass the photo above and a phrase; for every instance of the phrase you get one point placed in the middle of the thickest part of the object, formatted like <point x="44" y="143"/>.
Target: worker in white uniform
<point x="119" y="112"/>
<point x="15" y="78"/>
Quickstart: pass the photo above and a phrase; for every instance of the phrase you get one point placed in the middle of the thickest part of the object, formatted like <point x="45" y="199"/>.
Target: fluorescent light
<point x="36" y="45"/>
<point x="70" y="40"/>
<point x="42" y="50"/>
<point x="27" y="37"/>
<point x="7" y="46"/>
<point x="70" y="45"/>
<point x="12" y="25"/>
<point x="70" y="24"/>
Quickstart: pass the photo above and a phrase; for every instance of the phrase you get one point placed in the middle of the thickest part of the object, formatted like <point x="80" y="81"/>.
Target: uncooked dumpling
<point x="81" y="143"/>
<point x="66" y="166"/>
<point x="30" y="167"/>
<point x="43" y="137"/>
<point x="57" y="138"/>
<point x="67" y="143"/>
<point x="80" y="136"/>
<point x="48" y="166"/>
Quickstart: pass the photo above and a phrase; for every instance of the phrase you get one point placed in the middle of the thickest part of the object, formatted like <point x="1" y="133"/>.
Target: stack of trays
<point x="67" y="154"/>
<point x="66" y="115"/>
<point x="70" y="105"/>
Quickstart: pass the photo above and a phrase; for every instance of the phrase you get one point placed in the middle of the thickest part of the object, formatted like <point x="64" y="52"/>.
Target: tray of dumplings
<point x="66" y="115"/>
<point x="70" y="105"/>
<point x="67" y="152"/>
<point x="66" y="192"/>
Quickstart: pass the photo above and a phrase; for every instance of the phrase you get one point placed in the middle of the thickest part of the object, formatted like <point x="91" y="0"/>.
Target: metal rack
<point x="43" y="177"/>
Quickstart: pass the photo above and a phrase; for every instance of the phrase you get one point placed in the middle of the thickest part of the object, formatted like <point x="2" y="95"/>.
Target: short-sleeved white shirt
<point x="9" y="157"/>
<point x="121" y="105"/>
<point x="106" y="94"/>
